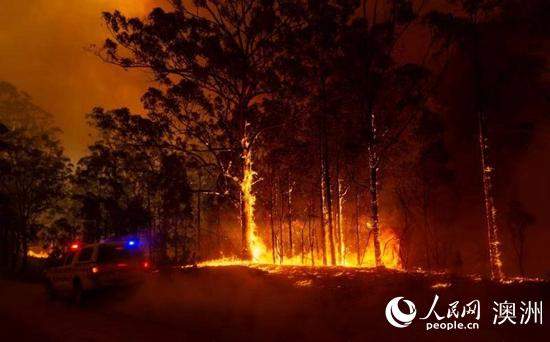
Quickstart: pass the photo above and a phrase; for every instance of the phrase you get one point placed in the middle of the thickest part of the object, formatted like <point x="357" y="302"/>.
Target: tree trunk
<point x="4" y="246"/>
<point x="322" y="222"/>
<point x="271" y="223"/>
<point x="24" y="253"/>
<point x="311" y="234"/>
<point x="281" y="226"/>
<point x="337" y="212"/>
<point x="521" y="254"/>
<point x="357" y="241"/>
<point x="245" y="252"/>
<point x="289" y="216"/>
<point x="175" y="244"/>
<point x="487" y="170"/>
<point x="15" y="250"/>
<point x="302" y="242"/>
<point x="429" y="246"/>
<point x="219" y="227"/>
<point x="199" y="214"/>
<point x="373" y="171"/>
<point x="252" y="245"/>
<point x="340" y="213"/>
<point x="327" y="207"/>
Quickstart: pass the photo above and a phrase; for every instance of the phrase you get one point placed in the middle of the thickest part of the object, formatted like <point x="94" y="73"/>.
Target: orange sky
<point x="42" y="52"/>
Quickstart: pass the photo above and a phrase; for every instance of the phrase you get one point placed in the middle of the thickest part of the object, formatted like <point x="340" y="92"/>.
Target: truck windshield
<point x="116" y="253"/>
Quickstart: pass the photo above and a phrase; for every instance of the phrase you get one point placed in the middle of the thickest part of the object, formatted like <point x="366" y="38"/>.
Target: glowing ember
<point x="521" y="280"/>
<point x="304" y="283"/>
<point x="37" y="254"/>
<point x="225" y="262"/>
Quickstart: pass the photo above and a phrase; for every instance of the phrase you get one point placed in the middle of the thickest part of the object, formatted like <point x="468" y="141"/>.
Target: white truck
<point x="96" y="266"/>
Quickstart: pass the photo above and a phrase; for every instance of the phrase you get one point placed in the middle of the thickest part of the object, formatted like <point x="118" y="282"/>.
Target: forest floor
<point x="267" y="303"/>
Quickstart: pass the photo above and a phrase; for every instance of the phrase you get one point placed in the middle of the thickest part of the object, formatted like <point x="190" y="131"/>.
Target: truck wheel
<point x="78" y="293"/>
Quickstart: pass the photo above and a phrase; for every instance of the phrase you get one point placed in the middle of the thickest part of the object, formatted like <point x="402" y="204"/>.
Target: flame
<point x="258" y="251"/>
<point x="255" y="245"/>
<point x="225" y="262"/>
<point x="261" y="255"/>
<point x="38" y="254"/>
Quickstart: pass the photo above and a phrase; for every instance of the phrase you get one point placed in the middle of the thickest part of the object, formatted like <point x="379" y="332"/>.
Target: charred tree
<point x="271" y="221"/>
<point x="357" y="238"/>
<point x="373" y="188"/>
<point x="340" y="193"/>
<point x="487" y="166"/>
<point x="322" y="219"/>
<point x="327" y="210"/>
<point x="199" y="213"/>
<point x="289" y="215"/>
<point x="311" y="234"/>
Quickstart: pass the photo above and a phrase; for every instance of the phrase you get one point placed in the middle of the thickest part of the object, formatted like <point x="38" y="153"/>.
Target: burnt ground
<point x="264" y="304"/>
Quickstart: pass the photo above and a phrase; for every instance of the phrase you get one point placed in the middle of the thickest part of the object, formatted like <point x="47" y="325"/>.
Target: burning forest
<point x="315" y="148"/>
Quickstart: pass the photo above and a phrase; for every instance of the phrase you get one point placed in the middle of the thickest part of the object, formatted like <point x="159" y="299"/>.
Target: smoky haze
<point x="43" y="52"/>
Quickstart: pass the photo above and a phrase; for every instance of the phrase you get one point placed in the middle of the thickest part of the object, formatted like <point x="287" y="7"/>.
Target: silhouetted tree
<point x="34" y="174"/>
<point x="386" y="95"/>
<point x="474" y="31"/>
<point x="519" y="221"/>
<point x="216" y="62"/>
<point x="130" y="183"/>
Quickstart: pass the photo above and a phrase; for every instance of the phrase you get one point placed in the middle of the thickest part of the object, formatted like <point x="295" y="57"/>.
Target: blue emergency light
<point x="131" y="243"/>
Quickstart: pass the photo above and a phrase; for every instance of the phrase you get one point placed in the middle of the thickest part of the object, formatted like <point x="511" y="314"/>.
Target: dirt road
<point x="241" y="303"/>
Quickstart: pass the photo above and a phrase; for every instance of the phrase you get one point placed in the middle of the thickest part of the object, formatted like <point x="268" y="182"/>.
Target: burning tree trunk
<point x="373" y="172"/>
<point x="271" y="223"/>
<point x="357" y="241"/>
<point x="252" y="246"/>
<point x="289" y="216"/>
<point x="326" y="191"/>
<point x="341" y="242"/>
<point x="327" y="210"/>
<point x="281" y="224"/>
<point x="322" y="221"/>
<point x="487" y="170"/>
<point x="338" y="212"/>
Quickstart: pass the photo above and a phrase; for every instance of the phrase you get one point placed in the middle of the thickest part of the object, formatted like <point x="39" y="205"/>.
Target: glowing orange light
<point x="255" y="244"/>
<point x="95" y="269"/>
<point x="390" y="255"/>
<point x="74" y="246"/>
<point x="145" y="264"/>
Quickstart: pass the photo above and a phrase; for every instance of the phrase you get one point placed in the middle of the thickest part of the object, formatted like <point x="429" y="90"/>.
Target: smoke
<point x="43" y="44"/>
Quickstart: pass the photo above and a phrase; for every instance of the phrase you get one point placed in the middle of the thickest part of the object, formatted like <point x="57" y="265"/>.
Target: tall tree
<point x="473" y="31"/>
<point x="386" y="94"/>
<point x="33" y="173"/>
<point x="215" y="62"/>
<point x="130" y="183"/>
<point x="519" y="220"/>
